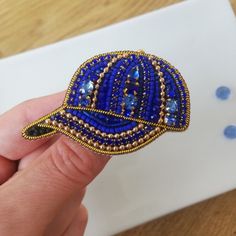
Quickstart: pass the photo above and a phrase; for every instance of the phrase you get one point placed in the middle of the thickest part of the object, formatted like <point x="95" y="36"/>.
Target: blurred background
<point x="28" y="24"/>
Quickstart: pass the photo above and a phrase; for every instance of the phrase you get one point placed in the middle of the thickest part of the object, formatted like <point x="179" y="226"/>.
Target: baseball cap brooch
<point x="118" y="102"/>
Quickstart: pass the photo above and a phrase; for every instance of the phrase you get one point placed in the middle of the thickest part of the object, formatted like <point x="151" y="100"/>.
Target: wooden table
<point x="27" y="24"/>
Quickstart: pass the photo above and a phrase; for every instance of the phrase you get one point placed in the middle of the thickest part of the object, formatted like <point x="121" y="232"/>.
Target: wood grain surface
<point x="27" y="24"/>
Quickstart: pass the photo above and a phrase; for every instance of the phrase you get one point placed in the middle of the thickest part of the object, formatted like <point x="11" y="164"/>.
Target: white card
<point x="178" y="169"/>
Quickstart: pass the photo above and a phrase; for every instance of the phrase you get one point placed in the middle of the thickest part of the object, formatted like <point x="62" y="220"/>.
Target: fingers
<point x="26" y="160"/>
<point x="43" y="187"/>
<point x="12" y="145"/>
<point x="7" y="169"/>
<point x="66" y="215"/>
<point x="78" y="224"/>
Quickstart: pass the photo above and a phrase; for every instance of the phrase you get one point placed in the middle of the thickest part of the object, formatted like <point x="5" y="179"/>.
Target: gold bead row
<point x="162" y="87"/>
<point x="102" y="146"/>
<point x="102" y="74"/>
<point x="140" y="140"/>
<point x="97" y="131"/>
<point x="66" y="128"/>
<point x="144" y="91"/>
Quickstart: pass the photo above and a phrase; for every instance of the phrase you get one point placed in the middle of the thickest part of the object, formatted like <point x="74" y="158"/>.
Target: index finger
<point x="12" y="145"/>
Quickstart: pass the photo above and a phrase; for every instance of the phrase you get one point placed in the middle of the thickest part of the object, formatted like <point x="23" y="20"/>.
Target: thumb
<point x="40" y="190"/>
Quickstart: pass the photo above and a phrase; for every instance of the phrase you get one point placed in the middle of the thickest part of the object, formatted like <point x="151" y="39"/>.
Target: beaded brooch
<point x="118" y="102"/>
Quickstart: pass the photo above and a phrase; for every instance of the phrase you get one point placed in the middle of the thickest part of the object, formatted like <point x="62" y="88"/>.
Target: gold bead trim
<point x="101" y="76"/>
<point x="162" y="87"/>
<point x="92" y="128"/>
<point x="99" y="146"/>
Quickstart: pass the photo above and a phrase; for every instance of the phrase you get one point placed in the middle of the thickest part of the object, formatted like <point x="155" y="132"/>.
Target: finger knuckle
<point x="68" y="163"/>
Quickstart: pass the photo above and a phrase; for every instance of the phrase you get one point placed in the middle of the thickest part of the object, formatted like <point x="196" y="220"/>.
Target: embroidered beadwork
<point x="118" y="102"/>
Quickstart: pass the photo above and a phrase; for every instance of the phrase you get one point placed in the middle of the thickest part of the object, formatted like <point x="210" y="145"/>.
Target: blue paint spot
<point x="223" y="93"/>
<point x="230" y="132"/>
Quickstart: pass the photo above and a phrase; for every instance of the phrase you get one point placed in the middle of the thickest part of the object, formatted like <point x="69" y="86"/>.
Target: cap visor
<point x="97" y="131"/>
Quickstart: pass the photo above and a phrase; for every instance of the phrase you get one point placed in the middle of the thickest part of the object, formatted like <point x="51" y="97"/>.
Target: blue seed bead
<point x="127" y="113"/>
<point x="184" y="117"/>
<point x="91" y="122"/>
<point x="84" y="101"/>
<point x="223" y="93"/>
<point x="74" y="113"/>
<point x="83" y="70"/>
<point x="230" y="132"/>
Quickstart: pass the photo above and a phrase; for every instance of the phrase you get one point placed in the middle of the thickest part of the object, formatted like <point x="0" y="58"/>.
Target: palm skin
<point x="43" y="181"/>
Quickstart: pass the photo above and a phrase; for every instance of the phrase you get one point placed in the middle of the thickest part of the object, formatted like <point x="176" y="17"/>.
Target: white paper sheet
<point x="178" y="169"/>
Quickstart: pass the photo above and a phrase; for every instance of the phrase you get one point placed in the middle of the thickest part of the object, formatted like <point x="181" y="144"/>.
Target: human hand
<point x="44" y="195"/>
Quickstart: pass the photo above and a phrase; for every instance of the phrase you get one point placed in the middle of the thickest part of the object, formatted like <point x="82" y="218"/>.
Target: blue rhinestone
<point x="170" y="120"/>
<point x="223" y="93"/>
<point x="130" y="101"/>
<point x="134" y="73"/>
<point x="86" y="88"/>
<point x="171" y="106"/>
<point x="230" y="132"/>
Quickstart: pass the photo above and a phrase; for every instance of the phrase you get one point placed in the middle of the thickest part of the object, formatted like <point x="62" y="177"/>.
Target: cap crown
<point x="131" y="85"/>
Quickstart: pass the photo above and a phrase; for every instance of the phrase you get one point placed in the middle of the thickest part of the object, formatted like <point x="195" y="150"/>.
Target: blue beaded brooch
<point x="118" y="102"/>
